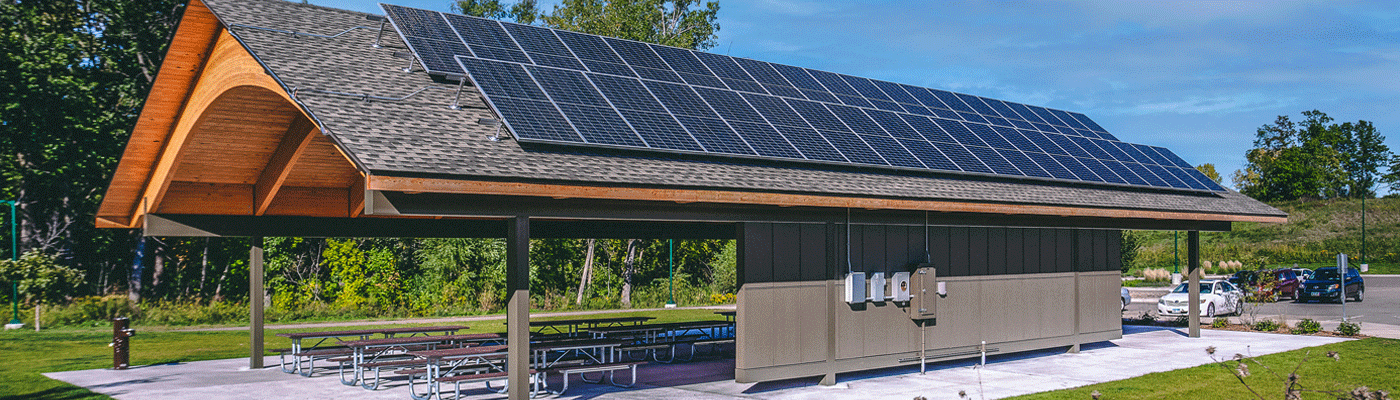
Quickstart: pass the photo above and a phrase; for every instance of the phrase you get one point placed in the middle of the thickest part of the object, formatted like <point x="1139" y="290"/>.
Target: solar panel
<point x="561" y="87"/>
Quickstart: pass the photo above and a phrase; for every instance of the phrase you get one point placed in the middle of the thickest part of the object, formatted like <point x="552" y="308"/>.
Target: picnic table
<point x="571" y="327"/>
<point x="727" y="314"/>
<point x="650" y="333"/>
<point x="369" y="351"/>
<point x="484" y="363"/>
<point x="317" y="349"/>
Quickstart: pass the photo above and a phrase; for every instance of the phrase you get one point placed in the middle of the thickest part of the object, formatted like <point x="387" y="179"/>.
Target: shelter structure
<point x="271" y="118"/>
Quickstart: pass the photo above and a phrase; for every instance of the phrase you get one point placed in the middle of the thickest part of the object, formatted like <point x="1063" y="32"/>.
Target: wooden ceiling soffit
<point x="294" y="144"/>
<point x="379" y="205"/>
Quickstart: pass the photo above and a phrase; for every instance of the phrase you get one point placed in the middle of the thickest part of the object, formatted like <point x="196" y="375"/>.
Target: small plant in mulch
<point x="1180" y="321"/>
<point x="1306" y="327"/>
<point x="1266" y="325"/>
<point x="1220" y="323"/>
<point x="1239" y="367"/>
<point x="1347" y="328"/>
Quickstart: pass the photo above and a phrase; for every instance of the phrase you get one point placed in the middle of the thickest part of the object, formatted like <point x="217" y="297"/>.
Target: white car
<point x="1218" y="297"/>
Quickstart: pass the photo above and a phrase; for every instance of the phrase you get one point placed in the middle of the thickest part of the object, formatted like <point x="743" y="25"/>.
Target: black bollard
<point x="121" y="342"/>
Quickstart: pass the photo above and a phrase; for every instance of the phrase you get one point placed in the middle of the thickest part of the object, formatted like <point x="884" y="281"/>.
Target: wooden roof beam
<point x="454" y="186"/>
<point x="279" y="167"/>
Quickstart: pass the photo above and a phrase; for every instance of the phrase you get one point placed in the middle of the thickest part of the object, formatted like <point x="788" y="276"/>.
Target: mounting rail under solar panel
<point x="554" y="86"/>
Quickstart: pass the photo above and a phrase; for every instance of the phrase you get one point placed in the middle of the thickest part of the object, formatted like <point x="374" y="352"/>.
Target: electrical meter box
<point x="925" y="302"/>
<point x="899" y="287"/>
<point x="855" y="287"/>
<point x="877" y="287"/>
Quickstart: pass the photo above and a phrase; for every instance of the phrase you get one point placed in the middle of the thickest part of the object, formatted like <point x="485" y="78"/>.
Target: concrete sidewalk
<point x="1142" y="350"/>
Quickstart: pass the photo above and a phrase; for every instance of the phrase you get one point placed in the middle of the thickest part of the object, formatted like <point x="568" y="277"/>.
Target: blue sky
<point x="1197" y="77"/>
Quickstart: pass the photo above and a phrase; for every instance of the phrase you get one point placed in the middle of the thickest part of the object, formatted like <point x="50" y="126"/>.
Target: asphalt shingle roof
<point x="422" y="136"/>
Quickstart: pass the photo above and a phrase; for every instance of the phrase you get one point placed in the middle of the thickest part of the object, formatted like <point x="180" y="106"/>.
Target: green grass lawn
<point x="1368" y="362"/>
<point x="26" y="353"/>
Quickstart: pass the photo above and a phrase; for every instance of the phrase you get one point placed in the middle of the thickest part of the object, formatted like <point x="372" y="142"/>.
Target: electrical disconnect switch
<point x="899" y="287"/>
<point x="855" y="288"/>
<point x="877" y="287"/>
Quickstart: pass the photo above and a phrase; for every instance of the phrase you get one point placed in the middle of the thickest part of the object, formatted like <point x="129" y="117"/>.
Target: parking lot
<point x="1381" y="305"/>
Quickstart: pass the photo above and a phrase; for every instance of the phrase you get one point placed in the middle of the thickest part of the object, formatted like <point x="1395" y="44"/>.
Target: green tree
<point x="40" y="278"/>
<point x="671" y="23"/>
<point x="1364" y="153"/>
<point x="1209" y="170"/>
<point x="1132" y="242"/>
<point x="73" y="75"/>
<point x="524" y="12"/>
<point x="1315" y="158"/>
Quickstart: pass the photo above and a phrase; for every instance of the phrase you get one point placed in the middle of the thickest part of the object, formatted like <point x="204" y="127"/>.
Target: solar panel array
<point x="565" y="87"/>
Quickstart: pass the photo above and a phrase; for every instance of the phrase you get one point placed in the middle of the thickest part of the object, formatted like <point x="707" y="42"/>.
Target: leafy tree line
<point x="1317" y="158"/>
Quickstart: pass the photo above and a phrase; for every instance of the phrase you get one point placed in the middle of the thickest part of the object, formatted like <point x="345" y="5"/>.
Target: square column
<point x="255" y="303"/>
<point x="518" y="307"/>
<point x="1193" y="268"/>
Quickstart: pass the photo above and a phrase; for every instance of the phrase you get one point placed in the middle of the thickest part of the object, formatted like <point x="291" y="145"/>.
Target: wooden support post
<point x="518" y="307"/>
<point x="1193" y="268"/>
<point x="255" y="304"/>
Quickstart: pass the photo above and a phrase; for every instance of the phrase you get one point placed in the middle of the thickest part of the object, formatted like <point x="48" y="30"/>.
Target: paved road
<point x="1381" y="305"/>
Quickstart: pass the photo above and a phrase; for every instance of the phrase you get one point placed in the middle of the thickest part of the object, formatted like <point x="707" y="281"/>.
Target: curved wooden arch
<point x="231" y="147"/>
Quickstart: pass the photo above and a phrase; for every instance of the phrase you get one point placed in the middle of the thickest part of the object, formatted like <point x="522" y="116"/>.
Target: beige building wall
<point x="789" y="327"/>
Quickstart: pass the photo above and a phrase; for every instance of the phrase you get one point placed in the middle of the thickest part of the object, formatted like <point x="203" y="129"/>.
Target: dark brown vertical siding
<point x="1047" y="251"/>
<point x="813" y="252"/>
<point x="938" y="248"/>
<point x="896" y="245"/>
<point x="1031" y="252"/>
<point x="787" y="259"/>
<point x="996" y="251"/>
<point x="1100" y="250"/>
<point x="758" y="255"/>
<point x="831" y="251"/>
<point x="918" y="242"/>
<point x="872" y="245"/>
<point x="1064" y="250"/>
<point x="791" y="252"/>
<point x="958" y="252"/>
<point x="1015" y="251"/>
<point x="1084" y="255"/>
<point x="1113" y="250"/>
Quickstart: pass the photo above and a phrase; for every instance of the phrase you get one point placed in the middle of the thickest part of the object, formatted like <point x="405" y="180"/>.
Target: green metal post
<point x="14" y="256"/>
<point x="1363" y="226"/>
<point x="671" y="270"/>
<point x="1176" y="252"/>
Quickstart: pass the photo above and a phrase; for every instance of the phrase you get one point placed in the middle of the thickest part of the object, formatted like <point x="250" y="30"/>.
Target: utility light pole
<point x="671" y="270"/>
<point x="14" y="256"/>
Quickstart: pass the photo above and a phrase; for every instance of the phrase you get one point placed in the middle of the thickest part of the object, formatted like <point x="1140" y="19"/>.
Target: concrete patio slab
<point x="1142" y="350"/>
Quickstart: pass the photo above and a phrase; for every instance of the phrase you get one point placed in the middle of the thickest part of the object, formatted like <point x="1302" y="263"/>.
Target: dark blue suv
<point x="1325" y="285"/>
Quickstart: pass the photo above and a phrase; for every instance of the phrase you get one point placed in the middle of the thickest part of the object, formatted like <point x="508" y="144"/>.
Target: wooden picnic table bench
<point x="444" y="362"/>
<point x="656" y="332"/>
<point x="571" y="327"/>
<point x="372" y="350"/>
<point x="299" y="350"/>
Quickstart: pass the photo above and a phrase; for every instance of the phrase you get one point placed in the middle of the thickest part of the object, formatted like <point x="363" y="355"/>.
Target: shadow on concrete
<point x="1136" y="329"/>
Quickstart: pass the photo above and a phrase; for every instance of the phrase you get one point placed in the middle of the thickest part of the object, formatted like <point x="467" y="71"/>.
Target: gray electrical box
<point x="855" y="288"/>
<point x="926" y="293"/>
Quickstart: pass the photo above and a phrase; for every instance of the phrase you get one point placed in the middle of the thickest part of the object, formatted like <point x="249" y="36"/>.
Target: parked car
<point x="1218" y="297"/>
<point x="1303" y="273"/>
<point x="1268" y="284"/>
<point x="1326" y="285"/>
<point x="1127" y="298"/>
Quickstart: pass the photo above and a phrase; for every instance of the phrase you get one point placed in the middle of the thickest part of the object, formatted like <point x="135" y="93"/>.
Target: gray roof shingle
<point x="421" y="135"/>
